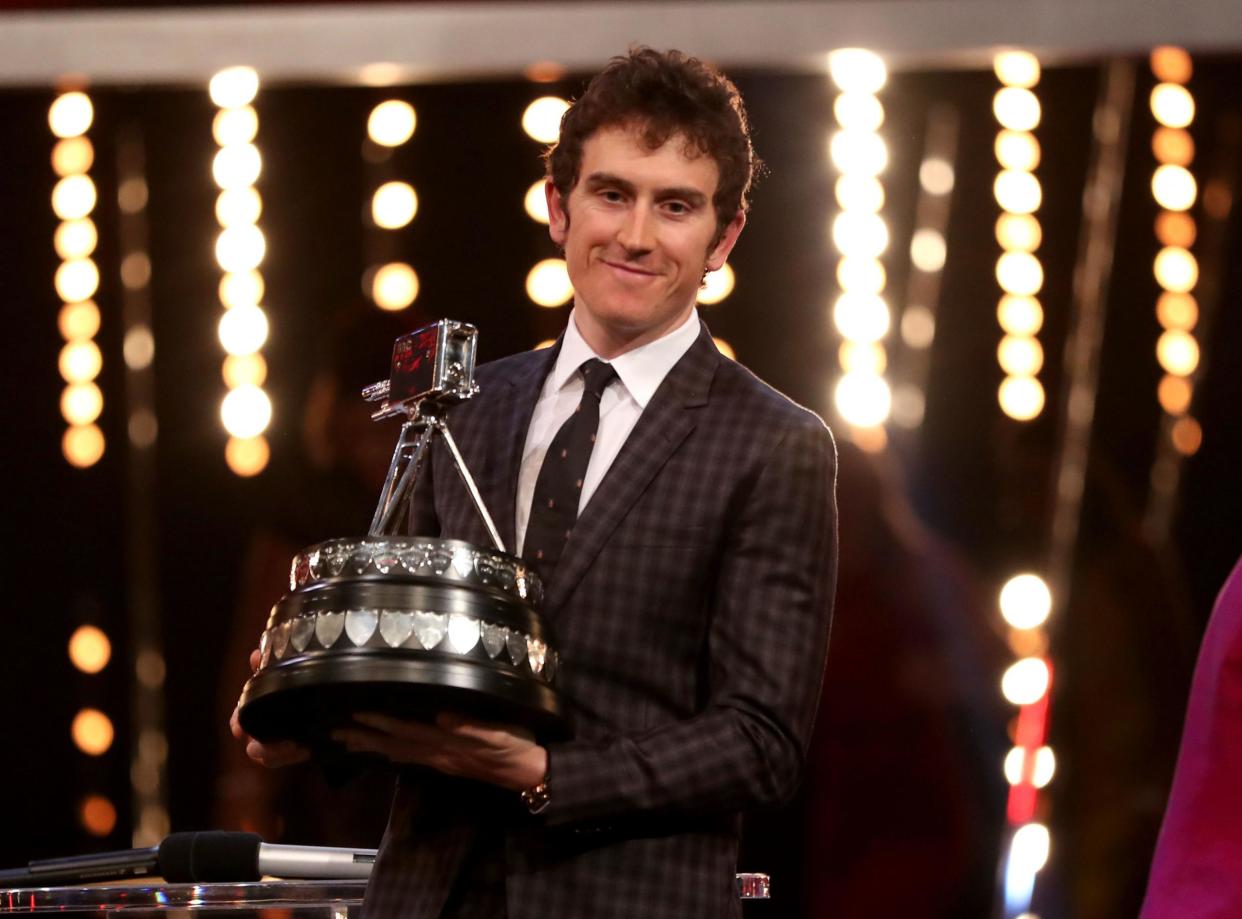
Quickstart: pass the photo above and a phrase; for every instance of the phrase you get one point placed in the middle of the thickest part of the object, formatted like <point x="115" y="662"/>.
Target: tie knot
<point x="596" y="375"/>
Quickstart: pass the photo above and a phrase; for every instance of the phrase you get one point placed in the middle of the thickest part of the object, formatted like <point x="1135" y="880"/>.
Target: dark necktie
<point x="554" y="506"/>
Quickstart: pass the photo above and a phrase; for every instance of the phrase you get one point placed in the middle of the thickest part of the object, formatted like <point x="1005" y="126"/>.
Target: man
<point x="689" y="589"/>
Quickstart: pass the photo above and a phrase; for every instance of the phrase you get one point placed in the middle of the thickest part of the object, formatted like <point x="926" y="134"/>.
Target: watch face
<point x="536" y="799"/>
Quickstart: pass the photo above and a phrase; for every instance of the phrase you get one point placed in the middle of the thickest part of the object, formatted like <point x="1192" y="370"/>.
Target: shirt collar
<point x="641" y="370"/>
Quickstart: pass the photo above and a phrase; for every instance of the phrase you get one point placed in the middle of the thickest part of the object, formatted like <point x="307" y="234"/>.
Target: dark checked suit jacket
<point x="691" y="609"/>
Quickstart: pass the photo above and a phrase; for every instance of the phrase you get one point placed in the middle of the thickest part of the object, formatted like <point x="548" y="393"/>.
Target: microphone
<point x="216" y="855"/>
<point x="202" y="857"/>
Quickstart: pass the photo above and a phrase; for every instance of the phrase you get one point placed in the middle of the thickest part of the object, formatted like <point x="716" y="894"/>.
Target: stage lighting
<point x="1176" y="269"/>
<point x="927" y="250"/>
<point x="75" y="238"/>
<point x="78" y="320"/>
<point x="246" y="411"/>
<point x="240" y="248"/>
<point x="1026" y="681"/>
<point x="72" y="156"/>
<point x="1017" y="192"/>
<point x="1019" y="315"/>
<point x="861" y="317"/>
<point x="1177" y="311"/>
<point x="73" y="196"/>
<point x="542" y="118"/>
<point x="394" y="205"/>
<point x="138" y="347"/>
<point x="717" y="286"/>
<point x="234" y="87"/>
<point x="863" y="399"/>
<point x="548" y="284"/>
<point x="1016" y="68"/>
<point x="238" y="206"/>
<point x="235" y="126"/>
<point x="80" y="361"/>
<point x="1018" y="232"/>
<point x="861" y="275"/>
<point x="243" y="330"/>
<point x="1020" y="355"/>
<point x="239" y="369"/>
<point x="1177" y="352"/>
<point x="1173" y="187"/>
<point x="71" y="114"/>
<point x="1019" y="273"/>
<point x="936" y="176"/>
<point x="81" y="403"/>
<point x="241" y="289"/>
<point x="855" y="192"/>
<point x="89" y="649"/>
<point x="1021" y="398"/>
<point x="536" y="202"/>
<point x="857" y="70"/>
<point x="1174" y="394"/>
<point x="394" y="286"/>
<point x="247" y="456"/>
<point x="391" y="123"/>
<point x="236" y="166"/>
<point x="1025" y="601"/>
<point x="1016" y="109"/>
<point x="1172" y="105"/>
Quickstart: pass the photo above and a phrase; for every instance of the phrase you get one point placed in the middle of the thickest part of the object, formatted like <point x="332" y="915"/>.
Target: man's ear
<point x="728" y="239"/>
<point x="558" y="217"/>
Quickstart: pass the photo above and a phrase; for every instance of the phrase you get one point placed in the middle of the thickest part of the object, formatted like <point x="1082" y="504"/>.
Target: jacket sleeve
<point x="766" y="648"/>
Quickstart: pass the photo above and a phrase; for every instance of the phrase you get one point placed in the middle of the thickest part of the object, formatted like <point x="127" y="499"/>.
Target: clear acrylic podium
<point x="271" y="899"/>
<point x="295" y="899"/>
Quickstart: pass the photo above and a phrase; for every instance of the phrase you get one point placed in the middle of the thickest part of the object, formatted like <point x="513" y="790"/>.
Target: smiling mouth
<point x="629" y="269"/>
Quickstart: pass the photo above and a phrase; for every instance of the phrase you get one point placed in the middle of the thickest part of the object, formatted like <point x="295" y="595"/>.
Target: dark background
<point x="977" y="478"/>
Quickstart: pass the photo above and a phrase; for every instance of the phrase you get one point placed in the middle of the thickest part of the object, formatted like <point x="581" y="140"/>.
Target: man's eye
<point x="611" y="194"/>
<point x="677" y="207"/>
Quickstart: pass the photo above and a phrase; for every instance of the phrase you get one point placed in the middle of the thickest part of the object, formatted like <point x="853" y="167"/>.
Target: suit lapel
<point x="666" y="421"/>
<point x="514" y="408"/>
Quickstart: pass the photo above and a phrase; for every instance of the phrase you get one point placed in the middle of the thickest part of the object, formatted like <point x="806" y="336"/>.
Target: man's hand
<point x="495" y="753"/>
<point x="272" y="754"/>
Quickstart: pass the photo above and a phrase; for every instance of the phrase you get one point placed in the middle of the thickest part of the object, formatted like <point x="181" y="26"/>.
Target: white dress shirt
<point x="640" y="373"/>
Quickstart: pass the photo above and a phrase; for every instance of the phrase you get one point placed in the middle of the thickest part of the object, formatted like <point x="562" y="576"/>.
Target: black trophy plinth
<point x="407" y="625"/>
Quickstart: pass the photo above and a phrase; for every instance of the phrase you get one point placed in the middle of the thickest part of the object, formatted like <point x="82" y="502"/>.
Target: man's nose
<point x="637" y="231"/>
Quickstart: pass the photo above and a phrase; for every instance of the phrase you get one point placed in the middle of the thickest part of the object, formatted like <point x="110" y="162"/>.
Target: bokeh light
<point x="391" y="123"/>
<point x="82" y="445"/>
<point x="861" y="317"/>
<point x="856" y="111"/>
<point x="247" y="456"/>
<point x="1170" y="64"/>
<point x="1177" y="311"/>
<point x="240" y="369"/>
<point x="718" y="285"/>
<point x="927" y="249"/>
<point x="92" y="731"/>
<point x="1173" y="145"/>
<point x="243" y="329"/>
<point x="1173" y="187"/>
<point x="75" y="238"/>
<point x="236" y="166"/>
<point x="394" y="205"/>
<point x="240" y="248"/>
<point x="235" y="126"/>
<point x="858" y="152"/>
<point x="234" y="87"/>
<point x="548" y="284"/>
<point x="89" y="649"/>
<point x="1020" y="355"/>
<point x="1172" y="105"/>
<point x="395" y="286"/>
<point x="1018" y="150"/>
<point x="536" y="202"/>
<point x="97" y="815"/>
<point x="1016" y="109"/>
<point x="73" y="196"/>
<point x="1174" y="394"/>
<point x="238" y="206"/>
<point x="1025" y="601"/>
<point x="241" y="289"/>
<point x="1176" y="269"/>
<point x="857" y="70"/>
<point x="78" y="320"/>
<point x="72" y="155"/>
<point x="1019" y="315"/>
<point x="863" y="399"/>
<point x="1021" y="398"/>
<point x="859" y="193"/>
<point x="859" y="234"/>
<point x="81" y="403"/>
<point x="918" y="326"/>
<point x="862" y="357"/>
<point x="1018" y="232"/>
<point x="1026" y="681"/>
<point x="1017" y="192"/>
<point x="80" y="361"/>
<point x="71" y="114"/>
<point x="542" y="118"/>
<point x="1016" y="68"/>
<point x="246" y="411"/>
<point x="1019" y="273"/>
<point x="77" y="279"/>
<point x="861" y="275"/>
<point x="1175" y="229"/>
<point x="1187" y="436"/>
<point x="936" y="176"/>
<point x="1177" y="352"/>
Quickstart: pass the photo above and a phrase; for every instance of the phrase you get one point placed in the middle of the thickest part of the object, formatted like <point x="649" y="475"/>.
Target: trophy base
<point x="307" y="699"/>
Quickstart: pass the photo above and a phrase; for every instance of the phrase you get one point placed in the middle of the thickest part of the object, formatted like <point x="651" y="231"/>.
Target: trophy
<point x="404" y="624"/>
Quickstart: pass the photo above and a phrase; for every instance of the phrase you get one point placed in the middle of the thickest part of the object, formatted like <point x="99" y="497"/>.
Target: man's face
<point x="638" y="232"/>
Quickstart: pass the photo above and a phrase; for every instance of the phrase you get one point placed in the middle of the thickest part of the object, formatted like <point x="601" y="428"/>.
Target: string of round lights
<point x="391" y="283"/>
<point x="1018" y="269"/>
<point x="861" y="313"/>
<point x="1025" y="600"/>
<point x="77" y="277"/>
<point x="547" y="282"/>
<point x="246" y="410"/>
<point x="1175" y="190"/>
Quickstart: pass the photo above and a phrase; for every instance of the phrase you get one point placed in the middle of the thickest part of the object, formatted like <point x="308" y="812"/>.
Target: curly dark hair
<point x="663" y="94"/>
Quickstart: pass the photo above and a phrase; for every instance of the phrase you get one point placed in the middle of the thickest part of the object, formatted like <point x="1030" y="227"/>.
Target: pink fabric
<point x="1197" y="870"/>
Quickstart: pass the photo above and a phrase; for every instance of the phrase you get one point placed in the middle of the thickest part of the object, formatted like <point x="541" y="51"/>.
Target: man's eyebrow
<point x="691" y="196"/>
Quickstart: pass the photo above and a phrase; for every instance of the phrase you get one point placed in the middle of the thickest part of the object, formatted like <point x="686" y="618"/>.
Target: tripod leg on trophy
<point x="477" y="498"/>
<point x="404" y="464"/>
